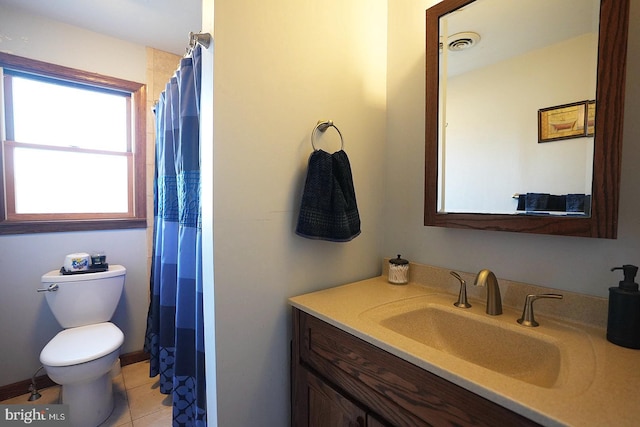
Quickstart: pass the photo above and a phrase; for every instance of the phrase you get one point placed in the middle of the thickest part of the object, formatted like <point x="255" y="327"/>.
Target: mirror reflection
<point x="515" y="126"/>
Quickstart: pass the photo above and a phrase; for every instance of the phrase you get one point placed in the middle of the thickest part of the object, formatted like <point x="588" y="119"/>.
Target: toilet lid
<point x="82" y="344"/>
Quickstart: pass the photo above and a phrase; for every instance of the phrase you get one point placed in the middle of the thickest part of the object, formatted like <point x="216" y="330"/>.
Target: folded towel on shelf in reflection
<point x="575" y="202"/>
<point x="536" y="201"/>
<point x="546" y="202"/>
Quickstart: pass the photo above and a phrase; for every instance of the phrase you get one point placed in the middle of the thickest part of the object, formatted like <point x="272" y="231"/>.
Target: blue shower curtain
<point x="174" y="337"/>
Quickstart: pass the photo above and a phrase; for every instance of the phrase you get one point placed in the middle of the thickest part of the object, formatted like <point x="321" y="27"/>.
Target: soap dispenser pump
<point x="623" y="323"/>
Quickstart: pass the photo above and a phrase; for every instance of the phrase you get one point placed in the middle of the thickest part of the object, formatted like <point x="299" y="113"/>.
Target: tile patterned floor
<point x="138" y="401"/>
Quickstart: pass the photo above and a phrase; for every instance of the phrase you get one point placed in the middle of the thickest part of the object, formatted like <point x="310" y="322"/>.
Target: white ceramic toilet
<point x="80" y="357"/>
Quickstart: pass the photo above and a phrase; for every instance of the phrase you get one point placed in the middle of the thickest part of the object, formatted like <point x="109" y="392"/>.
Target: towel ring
<point x="322" y="126"/>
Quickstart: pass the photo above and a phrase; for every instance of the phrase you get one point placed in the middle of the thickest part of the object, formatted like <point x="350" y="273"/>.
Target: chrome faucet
<point x="494" y="300"/>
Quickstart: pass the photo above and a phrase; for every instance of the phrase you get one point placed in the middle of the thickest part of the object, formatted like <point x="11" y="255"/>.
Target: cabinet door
<point x="373" y="422"/>
<point x="319" y="405"/>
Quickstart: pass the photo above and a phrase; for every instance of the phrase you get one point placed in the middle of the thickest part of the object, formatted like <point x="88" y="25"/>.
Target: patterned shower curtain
<point x="174" y="337"/>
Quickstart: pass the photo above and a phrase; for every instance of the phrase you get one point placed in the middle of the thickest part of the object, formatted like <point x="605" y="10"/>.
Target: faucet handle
<point x="462" y="296"/>
<point x="527" y="318"/>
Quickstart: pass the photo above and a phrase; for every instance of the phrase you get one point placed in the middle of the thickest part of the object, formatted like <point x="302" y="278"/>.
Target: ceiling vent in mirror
<point x="462" y="41"/>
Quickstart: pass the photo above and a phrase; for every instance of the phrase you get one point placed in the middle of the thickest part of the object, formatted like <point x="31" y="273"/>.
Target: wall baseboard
<point x="133" y="357"/>
<point x="43" y="381"/>
<point x="22" y="387"/>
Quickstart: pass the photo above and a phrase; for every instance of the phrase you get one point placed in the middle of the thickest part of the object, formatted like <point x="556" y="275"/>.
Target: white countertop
<point x="610" y="396"/>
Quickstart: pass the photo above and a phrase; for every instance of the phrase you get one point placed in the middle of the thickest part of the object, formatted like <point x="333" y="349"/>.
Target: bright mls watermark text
<point x="53" y="415"/>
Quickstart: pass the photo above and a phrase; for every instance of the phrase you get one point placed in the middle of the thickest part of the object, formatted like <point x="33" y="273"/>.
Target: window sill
<point x="29" y="227"/>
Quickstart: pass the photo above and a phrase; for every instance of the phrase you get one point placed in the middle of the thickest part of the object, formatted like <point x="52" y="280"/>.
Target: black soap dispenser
<point x="623" y="324"/>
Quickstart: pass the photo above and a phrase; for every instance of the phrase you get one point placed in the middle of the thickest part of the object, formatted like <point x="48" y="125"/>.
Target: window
<point x="73" y="149"/>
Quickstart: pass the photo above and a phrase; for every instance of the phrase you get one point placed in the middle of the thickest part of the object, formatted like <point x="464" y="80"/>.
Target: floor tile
<point x="137" y="374"/>
<point x="161" y="418"/>
<point x="146" y="399"/>
<point x="137" y="399"/>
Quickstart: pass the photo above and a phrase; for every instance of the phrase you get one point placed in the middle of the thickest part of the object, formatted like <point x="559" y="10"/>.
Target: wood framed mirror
<point x="600" y="221"/>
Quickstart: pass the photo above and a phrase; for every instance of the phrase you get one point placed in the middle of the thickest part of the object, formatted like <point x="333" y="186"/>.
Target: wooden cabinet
<point x="326" y="407"/>
<point x="323" y="406"/>
<point x="341" y="380"/>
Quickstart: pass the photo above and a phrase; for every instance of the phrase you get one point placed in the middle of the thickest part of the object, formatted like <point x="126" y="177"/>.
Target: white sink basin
<point x="549" y="356"/>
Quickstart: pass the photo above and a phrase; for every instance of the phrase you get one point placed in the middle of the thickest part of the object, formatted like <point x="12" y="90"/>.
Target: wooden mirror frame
<point x="610" y="91"/>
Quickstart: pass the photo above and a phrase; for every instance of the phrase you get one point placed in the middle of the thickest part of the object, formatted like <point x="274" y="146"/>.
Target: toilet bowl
<point x="80" y="358"/>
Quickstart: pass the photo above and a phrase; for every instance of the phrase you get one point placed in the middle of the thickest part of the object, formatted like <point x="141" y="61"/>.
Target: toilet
<point x="80" y="358"/>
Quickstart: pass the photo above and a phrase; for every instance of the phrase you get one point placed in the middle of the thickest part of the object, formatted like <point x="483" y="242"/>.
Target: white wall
<point x="569" y="263"/>
<point x="27" y="322"/>
<point x="206" y="176"/>
<point x="280" y="66"/>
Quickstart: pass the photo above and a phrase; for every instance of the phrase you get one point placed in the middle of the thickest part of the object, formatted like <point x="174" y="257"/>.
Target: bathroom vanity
<point x="359" y="358"/>
<point x="338" y="376"/>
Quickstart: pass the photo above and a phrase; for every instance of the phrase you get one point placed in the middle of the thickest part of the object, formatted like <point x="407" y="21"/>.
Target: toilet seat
<point x="82" y="344"/>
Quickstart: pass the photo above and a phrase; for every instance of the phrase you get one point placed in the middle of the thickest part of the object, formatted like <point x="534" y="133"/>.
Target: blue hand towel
<point x="328" y="209"/>
<point x="576" y="203"/>
<point x="536" y="202"/>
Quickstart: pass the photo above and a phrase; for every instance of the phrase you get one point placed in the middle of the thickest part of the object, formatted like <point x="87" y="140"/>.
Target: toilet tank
<point x="84" y="299"/>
